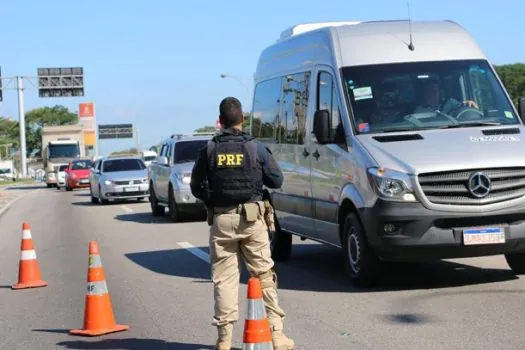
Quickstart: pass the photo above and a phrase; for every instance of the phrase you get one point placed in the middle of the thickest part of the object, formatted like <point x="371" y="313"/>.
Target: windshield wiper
<point x="470" y="124"/>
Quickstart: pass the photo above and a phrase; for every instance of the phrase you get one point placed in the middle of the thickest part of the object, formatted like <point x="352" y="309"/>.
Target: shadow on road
<point x="131" y="344"/>
<point x="147" y="218"/>
<point x="319" y="268"/>
<point x="173" y="262"/>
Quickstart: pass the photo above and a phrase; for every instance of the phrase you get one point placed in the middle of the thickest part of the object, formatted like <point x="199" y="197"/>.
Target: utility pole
<point x="22" y="126"/>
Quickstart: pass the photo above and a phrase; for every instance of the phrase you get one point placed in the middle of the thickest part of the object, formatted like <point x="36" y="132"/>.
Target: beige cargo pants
<point x="232" y="239"/>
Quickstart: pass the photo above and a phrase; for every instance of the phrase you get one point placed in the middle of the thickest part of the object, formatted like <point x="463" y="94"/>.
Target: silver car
<point x="170" y="176"/>
<point x="118" y="178"/>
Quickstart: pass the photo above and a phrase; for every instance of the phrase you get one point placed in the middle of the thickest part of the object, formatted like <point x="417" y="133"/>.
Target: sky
<point x="157" y="64"/>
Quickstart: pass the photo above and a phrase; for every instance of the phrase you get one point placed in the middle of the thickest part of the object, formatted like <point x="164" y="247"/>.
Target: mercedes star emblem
<point x="479" y="185"/>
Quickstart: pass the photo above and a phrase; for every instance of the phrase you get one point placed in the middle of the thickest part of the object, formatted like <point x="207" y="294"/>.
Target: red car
<point x="77" y="174"/>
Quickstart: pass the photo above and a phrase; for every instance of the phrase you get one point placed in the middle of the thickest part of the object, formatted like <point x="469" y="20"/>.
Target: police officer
<point x="228" y="176"/>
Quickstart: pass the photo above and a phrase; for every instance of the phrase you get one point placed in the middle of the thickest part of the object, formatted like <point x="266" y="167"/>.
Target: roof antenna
<point x="411" y="46"/>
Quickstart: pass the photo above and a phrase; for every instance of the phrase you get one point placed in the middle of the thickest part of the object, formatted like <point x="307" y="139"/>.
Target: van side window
<point x="327" y="99"/>
<point x="266" y="110"/>
<point x="294" y="107"/>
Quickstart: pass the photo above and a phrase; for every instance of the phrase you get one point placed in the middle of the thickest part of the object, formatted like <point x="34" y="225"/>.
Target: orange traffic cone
<point x="256" y="326"/>
<point x="28" y="268"/>
<point x="98" y="312"/>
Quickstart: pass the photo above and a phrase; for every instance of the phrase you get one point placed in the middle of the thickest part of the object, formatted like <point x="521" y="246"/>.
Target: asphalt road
<point x="158" y="279"/>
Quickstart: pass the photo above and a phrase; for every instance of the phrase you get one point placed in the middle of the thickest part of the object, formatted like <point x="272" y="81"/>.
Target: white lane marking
<point x="199" y="253"/>
<point x="126" y="208"/>
<point x="9" y="204"/>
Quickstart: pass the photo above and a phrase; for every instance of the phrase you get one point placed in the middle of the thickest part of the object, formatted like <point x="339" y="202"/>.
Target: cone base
<point x="96" y="332"/>
<point x="34" y="284"/>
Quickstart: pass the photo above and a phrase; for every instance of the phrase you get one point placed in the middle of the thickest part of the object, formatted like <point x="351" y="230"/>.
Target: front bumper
<point x="422" y="234"/>
<point x="186" y="201"/>
<point x="78" y="182"/>
<point x="124" y="191"/>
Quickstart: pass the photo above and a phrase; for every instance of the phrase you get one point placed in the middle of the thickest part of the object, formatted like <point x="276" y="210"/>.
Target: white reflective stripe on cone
<point x="28" y="255"/>
<point x="26" y="234"/>
<point x="258" y="346"/>
<point x="256" y="310"/>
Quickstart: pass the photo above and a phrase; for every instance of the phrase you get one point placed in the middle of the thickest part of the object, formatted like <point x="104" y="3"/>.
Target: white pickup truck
<point x="170" y="175"/>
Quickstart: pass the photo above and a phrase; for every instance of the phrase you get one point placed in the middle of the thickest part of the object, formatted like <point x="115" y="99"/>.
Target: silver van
<point x="397" y="142"/>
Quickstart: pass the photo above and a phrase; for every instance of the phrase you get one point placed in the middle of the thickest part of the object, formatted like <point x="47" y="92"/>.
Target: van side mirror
<point x="162" y="161"/>
<point x="322" y="126"/>
<point x="521" y="107"/>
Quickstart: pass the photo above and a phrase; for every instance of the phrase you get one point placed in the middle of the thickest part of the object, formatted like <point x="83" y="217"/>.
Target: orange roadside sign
<point x="86" y="109"/>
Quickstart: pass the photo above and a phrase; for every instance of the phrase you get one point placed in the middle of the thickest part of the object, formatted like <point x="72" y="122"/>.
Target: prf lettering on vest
<point x="229" y="159"/>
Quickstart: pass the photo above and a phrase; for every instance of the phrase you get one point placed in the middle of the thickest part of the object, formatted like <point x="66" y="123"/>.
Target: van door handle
<point x="305" y="153"/>
<point x="316" y="154"/>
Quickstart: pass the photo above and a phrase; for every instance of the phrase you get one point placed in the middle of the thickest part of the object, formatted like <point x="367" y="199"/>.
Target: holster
<point x="269" y="216"/>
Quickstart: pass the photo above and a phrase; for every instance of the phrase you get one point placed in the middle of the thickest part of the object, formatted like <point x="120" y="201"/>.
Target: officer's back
<point x="229" y="175"/>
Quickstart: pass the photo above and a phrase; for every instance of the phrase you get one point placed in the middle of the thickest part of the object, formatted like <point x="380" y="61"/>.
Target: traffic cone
<point x="98" y="312"/>
<point x="257" y="333"/>
<point x="28" y="268"/>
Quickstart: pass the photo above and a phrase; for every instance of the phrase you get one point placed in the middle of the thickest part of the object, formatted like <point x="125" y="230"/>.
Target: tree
<point x="513" y="78"/>
<point x="206" y="128"/>
<point x="8" y="137"/>
<point x="45" y="116"/>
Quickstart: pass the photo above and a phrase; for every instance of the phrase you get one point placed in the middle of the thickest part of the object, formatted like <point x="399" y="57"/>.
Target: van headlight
<point x="108" y="182"/>
<point x="392" y="185"/>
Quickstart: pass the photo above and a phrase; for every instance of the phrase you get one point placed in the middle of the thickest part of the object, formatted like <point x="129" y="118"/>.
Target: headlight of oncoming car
<point x="108" y="182"/>
<point x="184" y="178"/>
<point x="392" y="185"/>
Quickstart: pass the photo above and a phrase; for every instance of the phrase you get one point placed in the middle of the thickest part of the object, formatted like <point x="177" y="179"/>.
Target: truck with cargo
<point x="60" y="145"/>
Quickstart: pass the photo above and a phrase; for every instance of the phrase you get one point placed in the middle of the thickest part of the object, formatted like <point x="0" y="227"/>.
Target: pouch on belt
<point x="251" y="212"/>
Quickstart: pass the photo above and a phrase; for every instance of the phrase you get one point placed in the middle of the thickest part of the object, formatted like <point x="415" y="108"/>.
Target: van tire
<point x="280" y="243"/>
<point x="516" y="262"/>
<point x="156" y="209"/>
<point x="173" y="211"/>
<point x="362" y="264"/>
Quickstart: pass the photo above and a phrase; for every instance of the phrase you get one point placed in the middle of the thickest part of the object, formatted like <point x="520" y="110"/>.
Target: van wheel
<point x="172" y="206"/>
<point x="361" y="263"/>
<point x="280" y="243"/>
<point x="516" y="262"/>
<point x="156" y="209"/>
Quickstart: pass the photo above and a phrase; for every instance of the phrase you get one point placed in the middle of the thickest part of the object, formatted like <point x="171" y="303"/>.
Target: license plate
<point x="84" y="181"/>
<point x="489" y="235"/>
<point x="131" y="189"/>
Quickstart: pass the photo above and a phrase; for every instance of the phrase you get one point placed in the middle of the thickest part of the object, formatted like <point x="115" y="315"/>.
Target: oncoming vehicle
<point x="7" y="170"/>
<point x="61" y="175"/>
<point x="170" y="176"/>
<point x="148" y="157"/>
<point x="391" y="150"/>
<point x="118" y="178"/>
<point x="77" y="174"/>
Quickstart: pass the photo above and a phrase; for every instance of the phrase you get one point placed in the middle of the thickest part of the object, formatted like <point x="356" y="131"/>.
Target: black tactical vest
<point x="235" y="173"/>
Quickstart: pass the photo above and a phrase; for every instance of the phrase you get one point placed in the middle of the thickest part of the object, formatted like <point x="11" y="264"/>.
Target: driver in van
<point x="433" y="100"/>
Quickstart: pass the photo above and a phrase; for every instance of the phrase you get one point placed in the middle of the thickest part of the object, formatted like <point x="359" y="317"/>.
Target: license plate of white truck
<point x="488" y="235"/>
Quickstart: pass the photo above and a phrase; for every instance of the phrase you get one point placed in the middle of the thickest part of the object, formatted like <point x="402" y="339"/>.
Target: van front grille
<point x="452" y="187"/>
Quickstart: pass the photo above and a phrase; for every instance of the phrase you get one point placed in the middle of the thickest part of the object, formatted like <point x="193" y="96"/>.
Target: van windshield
<point x="426" y="95"/>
